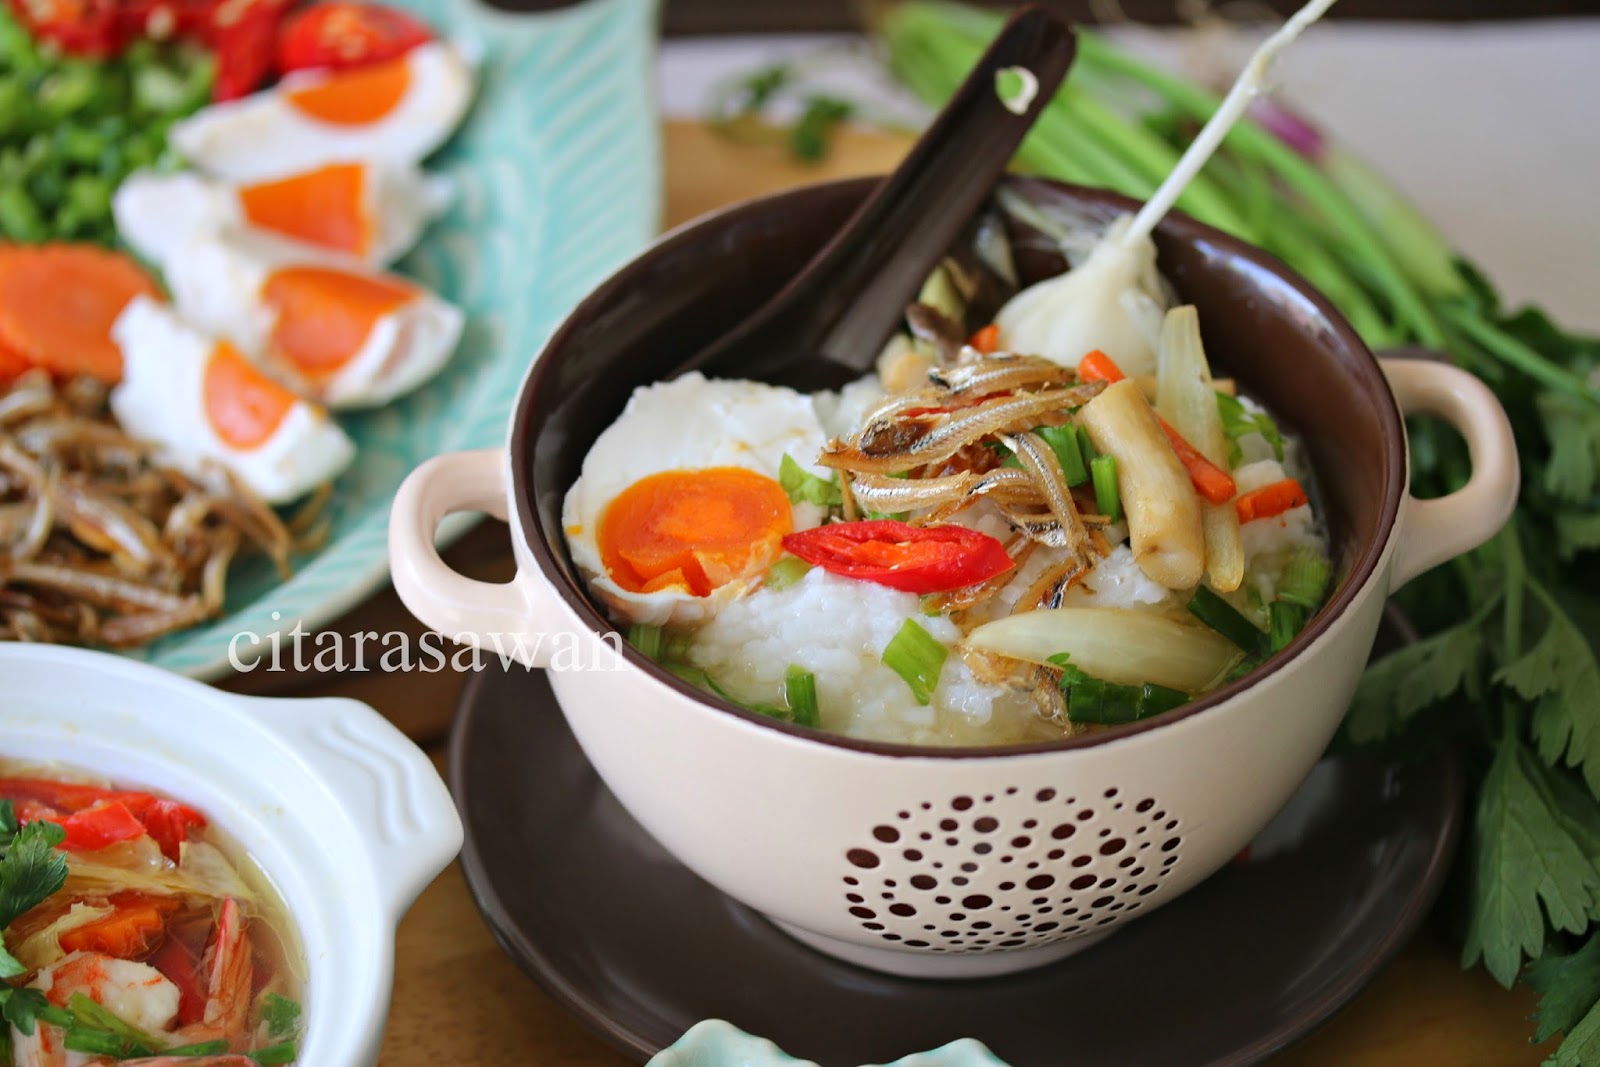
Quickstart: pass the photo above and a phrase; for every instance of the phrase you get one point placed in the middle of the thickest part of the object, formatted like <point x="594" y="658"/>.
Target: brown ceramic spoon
<point x="826" y="326"/>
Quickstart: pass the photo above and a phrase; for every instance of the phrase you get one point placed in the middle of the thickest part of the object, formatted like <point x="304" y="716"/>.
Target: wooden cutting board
<point x="459" y="1000"/>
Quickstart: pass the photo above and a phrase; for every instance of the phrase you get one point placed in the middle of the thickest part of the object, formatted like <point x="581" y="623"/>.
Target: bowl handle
<point x="484" y="615"/>
<point x="399" y="808"/>
<point x="1433" y="531"/>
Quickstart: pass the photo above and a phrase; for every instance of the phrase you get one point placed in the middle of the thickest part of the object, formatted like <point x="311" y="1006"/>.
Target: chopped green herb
<point x="800" y="693"/>
<point x="281" y="1015"/>
<point x="1284" y="621"/>
<point x="1239" y="421"/>
<point x="804" y="487"/>
<point x="21" y="1007"/>
<point x="1107" y="498"/>
<point x="1063" y="441"/>
<point x="1304" y="581"/>
<point x="31" y="870"/>
<point x="808" y="140"/>
<point x="784" y="573"/>
<point x="1093" y="700"/>
<point x="1224" y="618"/>
<point x="1085" y="446"/>
<point x="274" y="1055"/>
<point x="647" y="639"/>
<point x="90" y="1015"/>
<point x="102" y="1043"/>
<point x="916" y="656"/>
<point x="203" y="1048"/>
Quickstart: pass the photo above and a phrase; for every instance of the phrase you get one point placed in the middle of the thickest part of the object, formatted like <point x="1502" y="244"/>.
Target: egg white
<point x="688" y="423"/>
<point x="265" y="136"/>
<point x="161" y="399"/>
<point x="158" y="214"/>
<point x="216" y="282"/>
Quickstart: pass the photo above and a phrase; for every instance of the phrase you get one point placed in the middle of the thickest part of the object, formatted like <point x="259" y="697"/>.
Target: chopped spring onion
<point x="90" y="1016"/>
<point x="1239" y="421"/>
<point x="1063" y="441"/>
<point x="1304" y="581"/>
<point x="1085" y="446"/>
<point x="784" y="573"/>
<point x="1284" y="621"/>
<point x="102" y="1043"/>
<point x="1224" y="618"/>
<point x="1094" y="700"/>
<point x="800" y="693"/>
<point x="274" y="1055"/>
<point x="698" y="678"/>
<point x="281" y="1015"/>
<point x="1106" y="496"/>
<point x="803" y="487"/>
<point x="647" y="639"/>
<point x="916" y="656"/>
<point x="202" y="1048"/>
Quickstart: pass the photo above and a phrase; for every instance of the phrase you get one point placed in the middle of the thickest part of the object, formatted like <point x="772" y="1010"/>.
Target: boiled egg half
<point x="344" y="336"/>
<point x="395" y="112"/>
<point x="371" y="212"/>
<point x="678" y="507"/>
<point x="201" y="401"/>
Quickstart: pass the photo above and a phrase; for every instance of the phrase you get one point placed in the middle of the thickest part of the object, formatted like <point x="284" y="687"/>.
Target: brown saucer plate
<point x="641" y="949"/>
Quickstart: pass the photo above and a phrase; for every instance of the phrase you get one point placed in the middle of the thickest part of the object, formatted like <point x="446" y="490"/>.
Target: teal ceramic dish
<point x="715" y="1043"/>
<point x="558" y="177"/>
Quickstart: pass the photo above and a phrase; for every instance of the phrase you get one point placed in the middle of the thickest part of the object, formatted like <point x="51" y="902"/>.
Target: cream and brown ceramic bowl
<point x="971" y="861"/>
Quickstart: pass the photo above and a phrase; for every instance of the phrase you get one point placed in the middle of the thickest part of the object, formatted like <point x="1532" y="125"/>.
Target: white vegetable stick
<point x="1186" y="398"/>
<point x="1119" y="645"/>
<point x="1163" y="510"/>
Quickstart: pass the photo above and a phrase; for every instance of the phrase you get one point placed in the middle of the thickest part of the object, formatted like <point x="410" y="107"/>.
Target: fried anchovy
<point x="1039" y="460"/>
<point x="888" y="446"/>
<point x="1001" y="374"/>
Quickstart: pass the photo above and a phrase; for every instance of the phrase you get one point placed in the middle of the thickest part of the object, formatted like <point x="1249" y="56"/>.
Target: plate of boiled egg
<point x="357" y="267"/>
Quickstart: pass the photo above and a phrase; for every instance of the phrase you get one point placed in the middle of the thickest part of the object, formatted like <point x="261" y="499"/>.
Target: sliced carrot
<point x="58" y="301"/>
<point x="130" y="932"/>
<point x="11" y="364"/>
<point x="1099" y="367"/>
<point x="694" y="529"/>
<point x="987" y="339"/>
<point x="1210" y="480"/>
<point x="1270" y="500"/>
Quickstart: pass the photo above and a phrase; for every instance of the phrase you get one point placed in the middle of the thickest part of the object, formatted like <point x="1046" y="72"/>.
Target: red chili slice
<point x="90" y="28"/>
<point x="242" y="34"/>
<point x="916" y="559"/>
<point x="339" y="34"/>
<point x="101" y="826"/>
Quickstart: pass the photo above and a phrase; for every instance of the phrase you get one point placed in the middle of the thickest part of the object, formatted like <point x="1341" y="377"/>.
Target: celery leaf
<point x="1528" y="865"/>
<point x="1568" y="987"/>
<point x="1406" y="681"/>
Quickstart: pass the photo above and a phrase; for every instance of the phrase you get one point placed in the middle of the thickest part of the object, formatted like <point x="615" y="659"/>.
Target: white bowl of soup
<point x="235" y="866"/>
<point x="1013" y="702"/>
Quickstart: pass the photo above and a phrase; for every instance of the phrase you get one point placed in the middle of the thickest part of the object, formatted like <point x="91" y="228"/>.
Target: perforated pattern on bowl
<point x="1008" y="870"/>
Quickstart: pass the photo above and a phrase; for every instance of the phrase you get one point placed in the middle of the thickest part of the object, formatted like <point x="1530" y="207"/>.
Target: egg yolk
<point x="323" y="316"/>
<point x="693" y="529"/>
<point x="325" y="207"/>
<point x="356" y="97"/>
<point x="244" y="406"/>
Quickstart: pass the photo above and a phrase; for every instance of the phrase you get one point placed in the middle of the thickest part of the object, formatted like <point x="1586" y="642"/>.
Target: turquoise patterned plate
<point x="557" y="170"/>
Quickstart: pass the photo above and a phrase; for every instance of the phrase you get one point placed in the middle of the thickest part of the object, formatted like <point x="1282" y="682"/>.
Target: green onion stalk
<point x="1507" y="670"/>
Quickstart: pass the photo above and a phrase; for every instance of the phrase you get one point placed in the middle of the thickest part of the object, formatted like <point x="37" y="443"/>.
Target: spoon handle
<point x="881" y="258"/>
<point x="846" y="302"/>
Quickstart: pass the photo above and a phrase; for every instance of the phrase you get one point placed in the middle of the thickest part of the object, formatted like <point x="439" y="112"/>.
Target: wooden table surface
<point x="459" y="1000"/>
